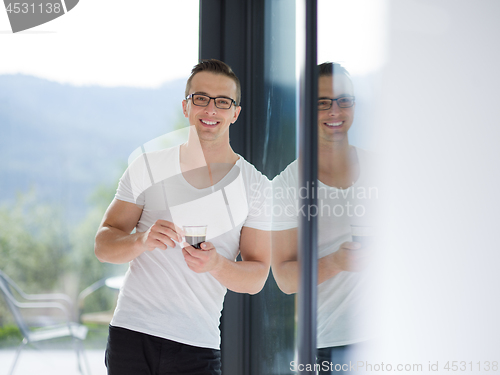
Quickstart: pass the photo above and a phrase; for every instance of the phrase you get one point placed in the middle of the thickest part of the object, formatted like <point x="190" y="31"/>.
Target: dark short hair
<point x="216" y="67"/>
<point x="331" y="68"/>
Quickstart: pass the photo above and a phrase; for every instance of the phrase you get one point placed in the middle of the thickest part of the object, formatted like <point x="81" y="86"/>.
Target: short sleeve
<point x="145" y="171"/>
<point x="259" y="198"/>
<point x="134" y="182"/>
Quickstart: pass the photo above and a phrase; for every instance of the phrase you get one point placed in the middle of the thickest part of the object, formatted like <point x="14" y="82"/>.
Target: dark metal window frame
<point x="308" y="176"/>
<point x="233" y="31"/>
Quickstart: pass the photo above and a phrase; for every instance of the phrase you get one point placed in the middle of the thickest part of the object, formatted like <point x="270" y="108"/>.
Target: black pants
<point x="134" y="353"/>
<point x="336" y="360"/>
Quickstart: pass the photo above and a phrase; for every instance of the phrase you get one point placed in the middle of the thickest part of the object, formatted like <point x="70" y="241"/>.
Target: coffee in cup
<point x="195" y="235"/>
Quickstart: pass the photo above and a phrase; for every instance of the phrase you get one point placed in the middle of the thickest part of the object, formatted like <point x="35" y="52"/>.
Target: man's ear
<point x="236" y="114"/>
<point x="184" y="108"/>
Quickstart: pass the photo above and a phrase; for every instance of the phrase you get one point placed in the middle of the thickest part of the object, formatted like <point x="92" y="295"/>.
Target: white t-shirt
<point x="161" y="296"/>
<point x="342" y="301"/>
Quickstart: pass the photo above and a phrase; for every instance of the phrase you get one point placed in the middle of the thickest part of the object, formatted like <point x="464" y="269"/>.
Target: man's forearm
<point x="241" y="277"/>
<point x="287" y="275"/>
<point x="115" y="246"/>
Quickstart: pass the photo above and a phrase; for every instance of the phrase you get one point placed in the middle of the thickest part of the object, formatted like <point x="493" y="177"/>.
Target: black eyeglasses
<point x="342" y="102"/>
<point x="203" y="101"/>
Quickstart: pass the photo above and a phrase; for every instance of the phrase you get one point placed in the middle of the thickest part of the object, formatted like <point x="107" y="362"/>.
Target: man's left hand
<point x="204" y="260"/>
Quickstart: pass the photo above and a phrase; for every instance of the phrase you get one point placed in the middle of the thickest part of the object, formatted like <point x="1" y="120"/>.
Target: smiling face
<point x="212" y="123"/>
<point x="334" y="123"/>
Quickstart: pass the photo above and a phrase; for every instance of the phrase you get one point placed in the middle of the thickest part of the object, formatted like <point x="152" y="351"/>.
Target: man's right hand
<point x="161" y="235"/>
<point x="114" y="242"/>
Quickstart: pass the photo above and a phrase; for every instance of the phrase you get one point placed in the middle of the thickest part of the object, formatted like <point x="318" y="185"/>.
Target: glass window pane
<point x="273" y="311"/>
<point x="351" y="53"/>
<point x="432" y="172"/>
<point x="401" y="54"/>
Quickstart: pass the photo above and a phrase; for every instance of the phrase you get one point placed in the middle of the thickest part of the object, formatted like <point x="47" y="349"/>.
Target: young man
<point x="167" y="316"/>
<point x="344" y="199"/>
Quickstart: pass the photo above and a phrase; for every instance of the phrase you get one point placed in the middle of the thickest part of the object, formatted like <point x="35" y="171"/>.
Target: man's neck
<point x="218" y="152"/>
<point x="204" y="163"/>
<point x="338" y="164"/>
<point x="197" y="153"/>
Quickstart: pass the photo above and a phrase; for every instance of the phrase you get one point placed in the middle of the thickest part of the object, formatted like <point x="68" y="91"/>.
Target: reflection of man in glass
<point x="168" y="311"/>
<point x="344" y="198"/>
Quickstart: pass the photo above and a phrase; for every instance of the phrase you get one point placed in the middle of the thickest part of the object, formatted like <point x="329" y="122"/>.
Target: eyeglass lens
<point x="344" y="102"/>
<point x="203" y="101"/>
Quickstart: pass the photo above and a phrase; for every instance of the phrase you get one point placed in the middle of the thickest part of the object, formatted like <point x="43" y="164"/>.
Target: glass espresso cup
<point x="195" y="235"/>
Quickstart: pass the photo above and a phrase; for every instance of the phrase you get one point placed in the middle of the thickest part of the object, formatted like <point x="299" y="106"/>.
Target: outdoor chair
<point x="99" y="317"/>
<point x="70" y="329"/>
